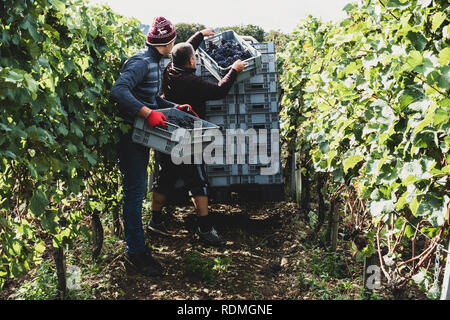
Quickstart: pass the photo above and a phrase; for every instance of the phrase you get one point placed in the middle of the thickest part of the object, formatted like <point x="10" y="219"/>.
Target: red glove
<point x="187" y="108"/>
<point x="156" y="119"/>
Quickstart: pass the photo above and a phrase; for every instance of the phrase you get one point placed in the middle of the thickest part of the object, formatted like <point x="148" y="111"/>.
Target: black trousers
<point x="167" y="173"/>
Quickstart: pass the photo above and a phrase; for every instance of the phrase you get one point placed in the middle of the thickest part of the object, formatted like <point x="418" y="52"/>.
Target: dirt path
<point x="270" y="254"/>
<point x="264" y="255"/>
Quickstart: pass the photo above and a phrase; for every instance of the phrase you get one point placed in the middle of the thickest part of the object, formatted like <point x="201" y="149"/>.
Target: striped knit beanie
<point x="161" y="33"/>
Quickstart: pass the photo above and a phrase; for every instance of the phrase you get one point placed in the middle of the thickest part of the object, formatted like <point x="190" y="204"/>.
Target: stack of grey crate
<point x="252" y="103"/>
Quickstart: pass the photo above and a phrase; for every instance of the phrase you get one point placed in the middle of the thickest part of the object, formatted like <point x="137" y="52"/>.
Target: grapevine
<point x="367" y="103"/>
<point x="59" y="60"/>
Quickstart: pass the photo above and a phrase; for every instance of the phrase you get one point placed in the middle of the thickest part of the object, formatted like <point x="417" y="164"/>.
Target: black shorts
<point x="167" y="174"/>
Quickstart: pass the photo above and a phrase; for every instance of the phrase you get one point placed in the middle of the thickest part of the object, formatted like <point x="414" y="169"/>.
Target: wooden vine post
<point x="297" y="187"/>
<point x="297" y="174"/>
<point x="97" y="233"/>
<point x="333" y="224"/>
<point x="60" y="262"/>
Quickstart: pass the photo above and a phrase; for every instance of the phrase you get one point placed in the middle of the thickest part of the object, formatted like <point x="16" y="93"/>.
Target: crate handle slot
<point x="258" y="106"/>
<point x="261" y="126"/>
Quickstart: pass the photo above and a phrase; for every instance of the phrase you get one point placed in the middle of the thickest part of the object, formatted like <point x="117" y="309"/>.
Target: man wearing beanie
<point x="181" y="85"/>
<point x="137" y="93"/>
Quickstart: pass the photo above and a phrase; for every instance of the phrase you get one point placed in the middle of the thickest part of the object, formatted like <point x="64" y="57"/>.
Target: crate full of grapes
<point x="219" y="52"/>
<point x="182" y="131"/>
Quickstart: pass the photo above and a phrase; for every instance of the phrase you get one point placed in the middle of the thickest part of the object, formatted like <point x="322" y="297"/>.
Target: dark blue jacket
<point x="139" y="85"/>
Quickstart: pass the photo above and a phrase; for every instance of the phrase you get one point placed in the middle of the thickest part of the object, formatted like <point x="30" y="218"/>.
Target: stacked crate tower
<point x="251" y="103"/>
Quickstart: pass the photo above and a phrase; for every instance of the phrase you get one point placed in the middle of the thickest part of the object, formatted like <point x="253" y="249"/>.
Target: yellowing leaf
<point x="444" y="56"/>
<point x="438" y="19"/>
<point x="351" y="162"/>
<point x="413" y="206"/>
<point x="415" y="59"/>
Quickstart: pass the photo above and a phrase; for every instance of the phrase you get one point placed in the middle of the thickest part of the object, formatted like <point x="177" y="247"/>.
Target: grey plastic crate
<point x="222" y="106"/>
<point x="239" y="169"/>
<point x="206" y="74"/>
<point x="257" y="126"/>
<point x="242" y="126"/>
<point x="255" y="169"/>
<point x="270" y="107"/>
<point x="161" y="139"/>
<point x="224" y="120"/>
<point x="264" y="47"/>
<point x="249" y="119"/>
<point x="259" y="179"/>
<point x="237" y="88"/>
<point x="269" y="58"/>
<point x="243" y="166"/>
<point x="233" y="109"/>
<point x="212" y="109"/>
<point x="269" y="67"/>
<point x="218" y="119"/>
<point x="261" y="82"/>
<point x="253" y="64"/>
<point x="259" y="118"/>
<point x="230" y="99"/>
<point x="226" y="170"/>
<point x="224" y="181"/>
<point x="218" y="170"/>
<point x="268" y="63"/>
<point x="250" y="88"/>
<point x="256" y="98"/>
<point x="220" y="162"/>
<point x="271" y="87"/>
<point x="223" y="170"/>
<point x="263" y="78"/>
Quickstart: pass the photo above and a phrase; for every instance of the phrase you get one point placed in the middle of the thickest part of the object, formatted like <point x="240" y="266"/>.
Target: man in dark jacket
<point x="137" y="93"/>
<point x="181" y="85"/>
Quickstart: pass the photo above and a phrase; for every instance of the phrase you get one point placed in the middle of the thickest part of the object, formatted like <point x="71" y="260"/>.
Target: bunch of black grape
<point x="227" y="53"/>
<point x="183" y="122"/>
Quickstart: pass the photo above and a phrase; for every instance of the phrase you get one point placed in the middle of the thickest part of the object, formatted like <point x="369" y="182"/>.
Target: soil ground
<point x="271" y="253"/>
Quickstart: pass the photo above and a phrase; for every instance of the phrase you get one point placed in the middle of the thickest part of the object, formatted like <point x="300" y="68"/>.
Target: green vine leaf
<point x="38" y="203"/>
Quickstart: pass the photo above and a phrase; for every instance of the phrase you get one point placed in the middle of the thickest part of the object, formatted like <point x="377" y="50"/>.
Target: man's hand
<point x="156" y="119"/>
<point x="239" y="65"/>
<point x="208" y="32"/>
<point x="187" y="108"/>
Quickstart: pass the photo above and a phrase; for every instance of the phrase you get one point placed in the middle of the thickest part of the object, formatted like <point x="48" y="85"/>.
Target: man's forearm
<point x="196" y="40"/>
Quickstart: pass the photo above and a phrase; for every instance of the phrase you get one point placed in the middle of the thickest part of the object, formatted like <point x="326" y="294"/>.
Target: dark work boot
<point x="145" y="264"/>
<point x="210" y="237"/>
